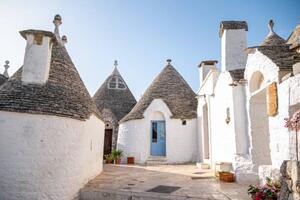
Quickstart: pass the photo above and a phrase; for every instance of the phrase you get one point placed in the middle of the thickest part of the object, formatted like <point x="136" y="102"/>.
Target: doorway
<point x="158" y="138"/>
<point x="107" y="141"/>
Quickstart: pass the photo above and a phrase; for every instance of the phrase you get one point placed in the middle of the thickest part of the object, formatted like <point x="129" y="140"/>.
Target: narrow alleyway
<point x="160" y="182"/>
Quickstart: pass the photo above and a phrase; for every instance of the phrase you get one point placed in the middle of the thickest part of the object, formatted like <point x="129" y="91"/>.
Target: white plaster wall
<point x="258" y="62"/>
<point x="234" y="43"/>
<point x="48" y="157"/>
<point x="282" y="141"/>
<point x="37" y="60"/>
<point x="240" y="119"/>
<point x="206" y="89"/>
<point x="223" y="139"/>
<point x="181" y="140"/>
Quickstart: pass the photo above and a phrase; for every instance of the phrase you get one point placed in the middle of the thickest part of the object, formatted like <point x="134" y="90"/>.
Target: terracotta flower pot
<point x="130" y="160"/>
<point x="226" y="177"/>
<point x="108" y="161"/>
<point x="118" y="161"/>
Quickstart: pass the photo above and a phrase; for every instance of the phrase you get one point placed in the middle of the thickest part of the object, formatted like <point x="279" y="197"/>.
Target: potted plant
<point x="269" y="191"/>
<point x="108" y="158"/>
<point x="226" y="176"/>
<point x="117" y="154"/>
<point x="130" y="160"/>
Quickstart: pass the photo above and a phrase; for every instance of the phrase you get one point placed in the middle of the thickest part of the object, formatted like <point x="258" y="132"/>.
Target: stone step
<point x="156" y="160"/>
<point x="203" y="165"/>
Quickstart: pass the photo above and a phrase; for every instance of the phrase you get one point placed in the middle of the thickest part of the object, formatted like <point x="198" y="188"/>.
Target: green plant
<point x="269" y="191"/>
<point x="109" y="157"/>
<point x="117" y="154"/>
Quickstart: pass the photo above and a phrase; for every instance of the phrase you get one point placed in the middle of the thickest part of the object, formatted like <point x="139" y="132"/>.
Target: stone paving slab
<point x="133" y="181"/>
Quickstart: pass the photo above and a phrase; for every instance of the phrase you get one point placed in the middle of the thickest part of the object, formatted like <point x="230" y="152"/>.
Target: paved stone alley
<point x="160" y="182"/>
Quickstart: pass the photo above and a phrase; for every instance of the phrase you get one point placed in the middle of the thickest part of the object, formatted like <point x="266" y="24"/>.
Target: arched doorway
<point x="259" y="121"/>
<point x="158" y="135"/>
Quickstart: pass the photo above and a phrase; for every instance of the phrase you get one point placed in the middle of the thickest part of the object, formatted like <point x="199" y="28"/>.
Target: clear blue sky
<point x="140" y="34"/>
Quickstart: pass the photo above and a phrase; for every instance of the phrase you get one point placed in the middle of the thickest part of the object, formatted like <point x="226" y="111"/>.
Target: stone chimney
<point x="205" y="67"/>
<point x="37" y="57"/>
<point x="234" y="43"/>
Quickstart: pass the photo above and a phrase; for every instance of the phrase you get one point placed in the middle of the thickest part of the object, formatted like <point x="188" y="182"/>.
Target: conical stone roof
<point x="2" y="79"/>
<point x="118" y="101"/>
<point x="276" y="49"/>
<point x="169" y="86"/>
<point x="64" y="94"/>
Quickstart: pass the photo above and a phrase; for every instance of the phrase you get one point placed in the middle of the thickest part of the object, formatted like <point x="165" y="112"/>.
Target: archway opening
<point x="256" y="81"/>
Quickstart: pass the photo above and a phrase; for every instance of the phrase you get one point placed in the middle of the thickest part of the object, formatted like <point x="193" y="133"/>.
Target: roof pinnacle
<point x="169" y="61"/>
<point x="116" y="63"/>
<point x="64" y="39"/>
<point x="6" y="66"/>
<point x="57" y="22"/>
<point x="271" y="26"/>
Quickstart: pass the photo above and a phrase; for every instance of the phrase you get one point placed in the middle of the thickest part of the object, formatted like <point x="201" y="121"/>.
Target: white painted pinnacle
<point x="6" y="66"/>
<point x="169" y="61"/>
<point x="64" y="39"/>
<point x="57" y="22"/>
<point x="271" y="26"/>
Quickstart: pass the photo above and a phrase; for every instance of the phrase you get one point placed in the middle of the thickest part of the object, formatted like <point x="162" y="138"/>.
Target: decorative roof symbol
<point x="6" y="66"/>
<point x="169" y="61"/>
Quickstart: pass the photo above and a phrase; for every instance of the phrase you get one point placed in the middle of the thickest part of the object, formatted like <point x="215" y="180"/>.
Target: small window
<point x="116" y="83"/>
<point x="183" y="122"/>
<point x="154" y="132"/>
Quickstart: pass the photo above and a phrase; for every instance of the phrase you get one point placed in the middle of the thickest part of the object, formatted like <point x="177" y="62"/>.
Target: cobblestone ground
<point x="134" y="181"/>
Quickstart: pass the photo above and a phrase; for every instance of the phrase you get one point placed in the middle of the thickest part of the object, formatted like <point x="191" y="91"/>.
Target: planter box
<point x="226" y="177"/>
<point x="130" y="160"/>
<point x="222" y="167"/>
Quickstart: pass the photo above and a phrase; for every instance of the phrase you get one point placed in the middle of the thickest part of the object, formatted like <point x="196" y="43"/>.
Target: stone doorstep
<point x="203" y="165"/>
<point x="96" y="194"/>
<point x="156" y="160"/>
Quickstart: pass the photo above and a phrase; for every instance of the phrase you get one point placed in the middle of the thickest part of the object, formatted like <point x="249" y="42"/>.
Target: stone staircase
<point x="156" y="160"/>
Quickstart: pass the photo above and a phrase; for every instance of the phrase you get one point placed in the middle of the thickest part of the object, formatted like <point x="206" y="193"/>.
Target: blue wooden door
<point x="158" y="138"/>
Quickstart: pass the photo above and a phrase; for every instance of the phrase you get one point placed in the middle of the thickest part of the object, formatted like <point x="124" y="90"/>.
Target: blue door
<point x="158" y="138"/>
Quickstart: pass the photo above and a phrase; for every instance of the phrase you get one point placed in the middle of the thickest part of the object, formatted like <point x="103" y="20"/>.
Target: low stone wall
<point x="290" y="180"/>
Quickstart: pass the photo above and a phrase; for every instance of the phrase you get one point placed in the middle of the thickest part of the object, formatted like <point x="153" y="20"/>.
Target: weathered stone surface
<point x="64" y="94"/>
<point x="290" y="180"/>
<point x="169" y="86"/>
<point x="2" y="79"/>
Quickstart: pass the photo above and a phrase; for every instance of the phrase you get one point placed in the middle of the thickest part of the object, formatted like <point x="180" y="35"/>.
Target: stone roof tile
<point x="169" y="86"/>
<point x="64" y="94"/>
<point x="119" y="102"/>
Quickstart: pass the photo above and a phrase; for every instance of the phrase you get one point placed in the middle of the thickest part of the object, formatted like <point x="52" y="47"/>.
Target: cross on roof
<point x="116" y="63"/>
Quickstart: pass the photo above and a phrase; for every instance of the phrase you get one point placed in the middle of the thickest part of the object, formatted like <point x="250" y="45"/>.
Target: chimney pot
<point x="37" y="57"/>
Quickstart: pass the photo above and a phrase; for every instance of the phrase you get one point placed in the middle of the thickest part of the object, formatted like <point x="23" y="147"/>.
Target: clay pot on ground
<point x="226" y="177"/>
<point x="130" y="160"/>
<point x="108" y="161"/>
<point x="118" y="161"/>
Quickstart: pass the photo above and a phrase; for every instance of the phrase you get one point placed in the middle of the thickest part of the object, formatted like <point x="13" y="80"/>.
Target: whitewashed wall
<point x="226" y="141"/>
<point x="222" y="134"/>
<point x="280" y="144"/>
<point x="181" y="140"/>
<point x="234" y="43"/>
<point x="48" y="157"/>
<point x="282" y="141"/>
